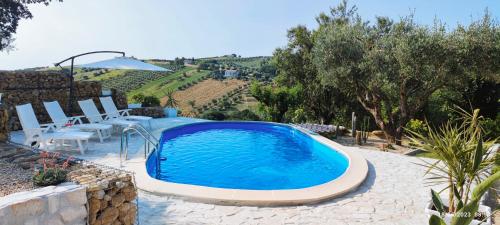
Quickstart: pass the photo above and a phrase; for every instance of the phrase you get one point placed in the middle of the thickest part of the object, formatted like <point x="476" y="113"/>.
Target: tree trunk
<point x="393" y="131"/>
<point x="399" y="135"/>
<point x="390" y="134"/>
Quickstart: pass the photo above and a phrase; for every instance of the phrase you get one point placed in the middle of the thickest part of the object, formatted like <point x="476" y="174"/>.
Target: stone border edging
<point x="61" y="204"/>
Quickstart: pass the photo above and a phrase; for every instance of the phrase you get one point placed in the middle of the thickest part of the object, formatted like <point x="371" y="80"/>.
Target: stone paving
<point x="393" y="193"/>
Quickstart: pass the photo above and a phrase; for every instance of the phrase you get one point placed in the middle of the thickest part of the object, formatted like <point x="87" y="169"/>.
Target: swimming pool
<point x="249" y="163"/>
<point x="245" y="155"/>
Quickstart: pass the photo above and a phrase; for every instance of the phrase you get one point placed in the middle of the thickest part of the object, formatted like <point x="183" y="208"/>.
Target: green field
<point x="171" y="82"/>
<point x="247" y="63"/>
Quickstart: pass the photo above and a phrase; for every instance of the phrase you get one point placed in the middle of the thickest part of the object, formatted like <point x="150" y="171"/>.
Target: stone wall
<point x="21" y="87"/>
<point x="62" y="204"/>
<point x="111" y="197"/>
<point x="4" y="123"/>
<point x="155" y="112"/>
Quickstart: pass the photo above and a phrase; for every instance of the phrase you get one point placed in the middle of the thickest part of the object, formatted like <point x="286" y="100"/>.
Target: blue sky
<point x="196" y="28"/>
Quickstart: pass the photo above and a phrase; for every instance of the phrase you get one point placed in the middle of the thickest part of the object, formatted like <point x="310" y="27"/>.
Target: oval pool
<point x="244" y="155"/>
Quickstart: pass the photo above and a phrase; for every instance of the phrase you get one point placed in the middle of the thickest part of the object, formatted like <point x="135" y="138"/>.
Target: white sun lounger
<point x="113" y="112"/>
<point x="60" y="120"/>
<point x="44" y="134"/>
<point x="94" y="116"/>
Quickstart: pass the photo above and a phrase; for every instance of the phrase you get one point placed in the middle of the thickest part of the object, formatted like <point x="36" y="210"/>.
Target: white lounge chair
<point x="44" y="134"/>
<point x="113" y="112"/>
<point x="94" y="116"/>
<point x="60" y="120"/>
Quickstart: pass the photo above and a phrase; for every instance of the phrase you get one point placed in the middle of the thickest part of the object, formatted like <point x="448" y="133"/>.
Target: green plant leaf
<point x="478" y="155"/>
<point x="460" y="203"/>
<point x="436" y="220"/>
<point x="468" y="211"/>
<point x="436" y="200"/>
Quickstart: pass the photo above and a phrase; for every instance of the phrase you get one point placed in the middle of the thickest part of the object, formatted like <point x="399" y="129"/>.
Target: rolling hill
<point x="191" y="82"/>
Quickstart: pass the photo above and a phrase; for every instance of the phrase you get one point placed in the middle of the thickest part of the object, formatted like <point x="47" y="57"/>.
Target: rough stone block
<point x="94" y="205"/>
<point x="32" y="221"/>
<point x="104" y="204"/>
<point x="128" y="218"/>
<point x="107" y="198"/>
<point x="53" y="220"/>
<point x="76" y="197"/>
<point x="130" y="196"/>
<point x="112" y="191"/>
<point x="108" y="216"/>
<point x="120" y="184"/>
<point x="73" y="214"/>
<point x="117" y="200"/>
<point x="98" y="194"/>
<point x="54" y="203"/>
<point x="124" y="208"/>
<point x="28" y="208"/>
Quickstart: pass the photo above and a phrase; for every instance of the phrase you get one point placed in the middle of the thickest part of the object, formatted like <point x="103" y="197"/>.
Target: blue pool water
<point x="244" y="155"/>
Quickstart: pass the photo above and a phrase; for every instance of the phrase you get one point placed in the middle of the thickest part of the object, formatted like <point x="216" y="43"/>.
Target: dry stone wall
<point x="111" y="197"/>
<point x="52" y="205"/>
<point x="21" y="87"/>
<point x="4" y="123"/>
<point x="155" y="112"/>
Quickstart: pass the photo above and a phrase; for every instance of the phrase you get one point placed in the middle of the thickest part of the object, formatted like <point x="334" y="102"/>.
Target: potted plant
<point x="466" y="213"/>
<point x="170" y="104"/>
<point x="463" y="160"/>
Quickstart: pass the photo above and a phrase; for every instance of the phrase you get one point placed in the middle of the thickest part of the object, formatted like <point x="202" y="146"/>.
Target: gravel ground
<point x="14" y="179"/>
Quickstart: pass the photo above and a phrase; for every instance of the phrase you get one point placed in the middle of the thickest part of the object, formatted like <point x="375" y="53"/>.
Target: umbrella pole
<point x="71" y="78"/>
<point x="71" y="83"/>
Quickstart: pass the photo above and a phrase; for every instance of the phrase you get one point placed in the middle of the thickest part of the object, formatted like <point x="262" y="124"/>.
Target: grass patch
<point x="425" y="155"/>
<point x="170" y="82"/>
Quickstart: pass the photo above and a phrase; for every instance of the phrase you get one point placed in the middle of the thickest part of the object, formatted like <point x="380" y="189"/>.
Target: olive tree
<point x="392" y="67"/>
<point x="275" y="101"/>
<point x="295" y="68"/>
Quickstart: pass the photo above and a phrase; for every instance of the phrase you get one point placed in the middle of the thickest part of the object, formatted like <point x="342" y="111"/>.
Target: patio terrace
<point x="393" y="193"/>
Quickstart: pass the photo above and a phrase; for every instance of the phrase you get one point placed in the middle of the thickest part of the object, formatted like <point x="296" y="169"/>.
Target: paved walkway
<point x="393" y="193"/>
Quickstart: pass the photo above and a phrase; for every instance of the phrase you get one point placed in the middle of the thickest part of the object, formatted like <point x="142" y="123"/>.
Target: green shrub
<point x="417" y="126"/>
<point x="150" y="101"/>
<point x="245" y="114"/>
<point x="50" y="176"/>
<point x="213" y="115"/>
<point x="138" y="98"/>
<point x="491" y="127"/>
<point x="299" y="116"/>
<point x="51" y="173"/>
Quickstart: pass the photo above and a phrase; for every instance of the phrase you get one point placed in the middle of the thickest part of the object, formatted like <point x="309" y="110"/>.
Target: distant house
<point x="231" y="73"/>
<point x="189" y="61"/>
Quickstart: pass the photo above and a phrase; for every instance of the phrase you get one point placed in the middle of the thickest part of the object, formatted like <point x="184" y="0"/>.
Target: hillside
<point x="199" y="84"/>
<point x="184" y="77"/>
<point x="204" y="94"/>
